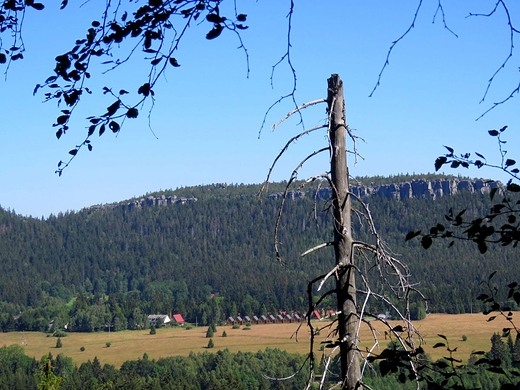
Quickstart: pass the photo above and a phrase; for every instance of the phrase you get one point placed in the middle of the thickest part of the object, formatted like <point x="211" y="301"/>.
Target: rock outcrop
<point x="156" y="201"/>
<point x="419" y="189"/>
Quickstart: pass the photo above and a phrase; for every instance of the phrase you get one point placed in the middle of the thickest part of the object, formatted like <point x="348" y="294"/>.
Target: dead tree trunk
<point x="345" y="280"/>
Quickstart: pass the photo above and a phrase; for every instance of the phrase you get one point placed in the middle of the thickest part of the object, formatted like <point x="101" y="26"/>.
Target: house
<point x="230" y="321"/>
<point x="159" y="319"/>
<point x="271" y="319"/>
<point x="256" y="320"/>
<point x="178" y="319"/>
<point x="263" y="319"/>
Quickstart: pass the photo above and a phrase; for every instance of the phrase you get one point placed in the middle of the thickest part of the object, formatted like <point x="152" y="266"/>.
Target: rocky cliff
<point x="419" y="189"/>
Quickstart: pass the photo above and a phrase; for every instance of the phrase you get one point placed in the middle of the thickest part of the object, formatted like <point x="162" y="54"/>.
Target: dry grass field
<point x="129" y="345"/>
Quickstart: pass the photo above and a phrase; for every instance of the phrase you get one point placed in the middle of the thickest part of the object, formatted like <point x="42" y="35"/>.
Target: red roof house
<point x="178" y="318"/>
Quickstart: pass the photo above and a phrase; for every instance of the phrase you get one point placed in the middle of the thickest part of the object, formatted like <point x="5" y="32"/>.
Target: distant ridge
<point x="417" y="188"/>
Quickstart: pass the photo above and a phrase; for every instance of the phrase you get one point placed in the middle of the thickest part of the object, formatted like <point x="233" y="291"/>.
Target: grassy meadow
<point x="130" y="345"/>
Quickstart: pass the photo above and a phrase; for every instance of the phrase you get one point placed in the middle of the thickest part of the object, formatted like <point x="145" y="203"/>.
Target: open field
<point x="130" y="345"/>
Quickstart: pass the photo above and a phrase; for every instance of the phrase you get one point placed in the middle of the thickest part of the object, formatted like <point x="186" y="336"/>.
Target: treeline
<point x="110" y="266"/>
<point x="202" y="371"/>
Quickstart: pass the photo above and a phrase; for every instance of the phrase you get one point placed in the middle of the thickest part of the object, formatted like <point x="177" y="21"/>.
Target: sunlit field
<point x="130" y="345"/>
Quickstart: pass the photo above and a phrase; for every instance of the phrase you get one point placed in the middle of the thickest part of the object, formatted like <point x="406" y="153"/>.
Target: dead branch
<point x="298" y="109"/>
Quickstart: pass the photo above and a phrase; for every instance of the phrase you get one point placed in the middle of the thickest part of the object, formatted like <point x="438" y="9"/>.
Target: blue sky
<point x="208" y="113"/>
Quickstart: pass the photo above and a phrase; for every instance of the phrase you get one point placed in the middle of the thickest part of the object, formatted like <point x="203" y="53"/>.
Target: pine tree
<point x="58" y="343"/>
<point x="211" y="344"/>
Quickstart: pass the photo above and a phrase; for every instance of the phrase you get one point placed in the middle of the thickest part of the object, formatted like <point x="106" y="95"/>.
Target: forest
<point x="107" y="267"/>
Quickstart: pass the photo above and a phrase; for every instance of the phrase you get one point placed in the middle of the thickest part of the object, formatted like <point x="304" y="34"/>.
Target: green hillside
<point x="214" y="257"/>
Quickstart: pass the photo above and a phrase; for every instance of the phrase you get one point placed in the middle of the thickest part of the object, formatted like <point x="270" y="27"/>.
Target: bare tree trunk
<point x="345" y="281"/>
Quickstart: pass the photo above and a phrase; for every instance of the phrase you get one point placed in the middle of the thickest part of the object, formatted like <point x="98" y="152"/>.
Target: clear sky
<point x="208" y="113"/>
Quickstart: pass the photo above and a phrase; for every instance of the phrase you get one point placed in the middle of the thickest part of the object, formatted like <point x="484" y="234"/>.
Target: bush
<point x="188" y="327"/>
<point x="153" y="330"/>
<point x="58" y="343"/>
<point x="247" y="328"/>
<point x="211" y="344"/>
<point x="210" y="332"/>
<point x="60" y="333"/>
<point x="464" y="337"/>
<point x="248" y="324"/>
<point x="224" y="334"/>
<point x="236" y="326"/>
<point x="108" y="344"/>
<point x="82" y="349"/>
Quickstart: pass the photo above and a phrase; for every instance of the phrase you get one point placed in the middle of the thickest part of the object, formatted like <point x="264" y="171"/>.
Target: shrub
<point x="464" y="337"/>
<point x="211" y="344"/>
<point x="236" y="326"/>
<point x="108" y="344"/>
<point x="188" y="327"/>
<point x="82" y="349"/>
<point x="58" y="343"/>
<point x="224" y="334"/>
<point x="248" y="324"/>
<point x="153" y="330"/>
<point x="60" y="333"/>
<point x="210" y="332"/>
<point x="247" y="328"/>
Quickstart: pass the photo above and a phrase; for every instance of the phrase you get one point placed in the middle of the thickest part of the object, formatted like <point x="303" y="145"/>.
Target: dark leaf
<point x="123" y="92"/>
<point x="496" y="370"/>
<point x="491" y="275"/>
<point x="513" y="187"/>
<point x="241" y="27"/>
<point x="112" y="109"/>
<point x="215" y="32"/>
<point x="411" y="235"/>
<point x="62" y="119"/>
<point x="398" y="329"/>
<point x="132" y="112"/>
<point x="38" y="6"/>
<point x="516" y="297"/>
<point x="510" y="162"/>
<point x="493" y="192"/>
<point x="482" y="247"/>
<point x="491" y="318"/>
<point x="91" y="130"/>
<point x="438" y="345"/>
<point x="89" y="146"/>
<point x="59" y="133"/>
<point x="241" y="17"/>
<point x="439" y="162"/>
<point x="144" y="89"/>
<point x="442" y="336"/>
<point x="174" y="62"/>
<point x="73" y="152"/>
<point x="3" y="58"/>
<point x="493" y="133"/>
<point x="101" y="129"/>
<point x="156" y="61"/>
<point x="426" y="242"/>
<point x="114" y="126"/>
<point x="455" y="164"/>
<point x="214" y="18"/>
<point x="449" y="149"/>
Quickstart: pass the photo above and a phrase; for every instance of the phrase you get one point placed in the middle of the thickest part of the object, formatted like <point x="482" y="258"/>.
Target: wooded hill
<point x="212" y="256"/>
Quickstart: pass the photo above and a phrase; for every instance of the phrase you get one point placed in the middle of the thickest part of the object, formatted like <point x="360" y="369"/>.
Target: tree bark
<point x="346" y="279"/>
